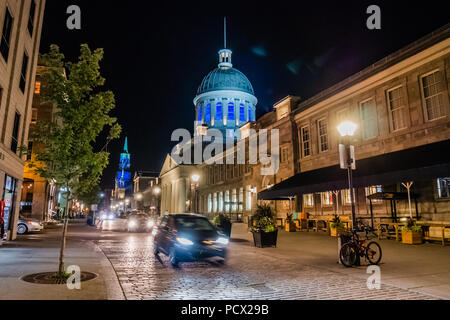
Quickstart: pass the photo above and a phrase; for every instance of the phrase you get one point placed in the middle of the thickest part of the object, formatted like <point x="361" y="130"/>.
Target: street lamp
<point x="156" y="190"/>
<point x="139" y="196"/>
<point x="347" y="130"/>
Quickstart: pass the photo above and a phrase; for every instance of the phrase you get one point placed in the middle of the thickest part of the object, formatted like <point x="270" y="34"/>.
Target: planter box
<point x="334" y="232"/>
<point x="412" y="237"/>
<point x="290" y="227"/>
<point x="265" y="239"/>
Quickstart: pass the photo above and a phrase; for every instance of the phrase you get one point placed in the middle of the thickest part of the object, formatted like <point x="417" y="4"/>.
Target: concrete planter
<point x="412" y="237"/>
<point x="263" y="239"/>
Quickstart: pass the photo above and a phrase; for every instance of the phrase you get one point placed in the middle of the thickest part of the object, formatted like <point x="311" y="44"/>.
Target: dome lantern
<point x="225" y="59"/>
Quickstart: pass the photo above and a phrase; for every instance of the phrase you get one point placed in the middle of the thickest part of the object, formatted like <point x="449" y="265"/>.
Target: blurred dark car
<point x="188" y="237"/>
<point x="140" y="222"/>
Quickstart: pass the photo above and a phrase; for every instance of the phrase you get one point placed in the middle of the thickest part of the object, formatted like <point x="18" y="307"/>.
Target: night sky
<point x="157" y="53"/>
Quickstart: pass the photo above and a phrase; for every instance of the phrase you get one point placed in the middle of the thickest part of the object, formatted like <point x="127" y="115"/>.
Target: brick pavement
<point x="248" y="274"/>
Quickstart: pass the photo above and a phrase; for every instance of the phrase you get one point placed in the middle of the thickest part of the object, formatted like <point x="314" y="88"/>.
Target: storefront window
<point x="308" y="200"/>
<point x="373" y="190"/>
<point x="9" y="200"/>
<point x="327" y="198"/>
<point x="443" y="187"/>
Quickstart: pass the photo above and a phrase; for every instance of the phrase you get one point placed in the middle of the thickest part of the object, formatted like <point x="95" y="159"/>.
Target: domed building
<point x="225" y="99"/>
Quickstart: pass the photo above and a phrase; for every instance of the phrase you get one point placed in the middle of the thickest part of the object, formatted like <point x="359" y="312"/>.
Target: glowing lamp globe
<point x="347" y="128"/>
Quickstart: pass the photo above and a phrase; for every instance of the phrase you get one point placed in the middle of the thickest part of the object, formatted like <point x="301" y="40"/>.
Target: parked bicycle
<point x="356" y="247"/>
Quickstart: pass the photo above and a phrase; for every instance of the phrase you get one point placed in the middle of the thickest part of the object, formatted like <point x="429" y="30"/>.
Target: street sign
<point x="93" y="207"/>
<point x="343" y="157"/>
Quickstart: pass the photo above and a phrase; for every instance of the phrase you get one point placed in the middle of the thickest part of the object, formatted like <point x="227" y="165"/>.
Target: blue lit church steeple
<point x="225" y="99"/>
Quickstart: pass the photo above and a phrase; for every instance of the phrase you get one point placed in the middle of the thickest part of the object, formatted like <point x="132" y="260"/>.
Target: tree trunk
<point x="64" y="234"/>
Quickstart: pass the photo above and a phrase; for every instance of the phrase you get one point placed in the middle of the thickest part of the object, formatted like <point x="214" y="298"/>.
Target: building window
<point x="29" y="150"/>
<point x="369" y="119"/>
<point x="432" y="94"/>
<point x="227" y="201"/>
<point x="215" y="202"/>
<point x="327" y="198"/>
<point x="31" y="17"/>
<point x="209" y="203"/>
<point x="250" y="114"/>
<point x="234" y="200"/>
<point x="323" y="135"/>
<point x="15" y="133"/>
<point x="443" y="187"/>
<point x="23" y="72"/>
<point x="208" y="113"/>
<point x="306" y="142"/>
<point x="242" y="113"/>
<point x="34" y="115"/>
<point x="220" y="201"/>
<point x="37" y="87"/>
<point x="372" y="190"/>
<point x="200" y="116"/>
<point x="346" y="197"/>
<point x="219" y="112"/>
<point x="6" y="35"/>
<point x="248" y="203"/>
<point x="284" y="154"/>
<point x="241" y="199"/>
<point x="396" y="105"/>
<point x="231" y="111"/>
<point x="308" y="200"/>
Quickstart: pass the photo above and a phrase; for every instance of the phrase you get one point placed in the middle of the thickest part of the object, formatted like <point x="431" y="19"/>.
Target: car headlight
<point x="150" y="224"/>
<point x="132" y="224"/>
<point x="111" y="216"/>
<point x="104" y="216"/>
<point x="35" y="224"/>
<point x="185" y="241"/>
<point x="223" y="241"/>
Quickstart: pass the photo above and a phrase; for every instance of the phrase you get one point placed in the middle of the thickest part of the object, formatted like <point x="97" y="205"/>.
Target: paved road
<point x="302" y="267"/>
<point x="248" y="274"/>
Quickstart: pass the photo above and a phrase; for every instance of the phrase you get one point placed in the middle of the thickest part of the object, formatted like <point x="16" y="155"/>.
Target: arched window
<point x="219" y="112"/>
<point x="199" y="119"/>
<point x="250" y="114"/>
<point x="231" y="111"/>
<point x="242" y="113"/>
<point x="208" y="113"/>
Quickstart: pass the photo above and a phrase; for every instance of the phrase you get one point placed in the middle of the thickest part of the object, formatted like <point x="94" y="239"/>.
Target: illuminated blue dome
<point x="225" y="79"/>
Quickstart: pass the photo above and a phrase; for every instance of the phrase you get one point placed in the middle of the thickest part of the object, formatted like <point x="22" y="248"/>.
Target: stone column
<point x="39" y="199"/>
<point x="182" y="195"/>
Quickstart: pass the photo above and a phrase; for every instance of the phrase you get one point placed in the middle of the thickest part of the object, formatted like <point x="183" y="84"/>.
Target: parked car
<point x="25" y="225"/>
<point x="188" y="237"/>
<point x="140" y="222"/>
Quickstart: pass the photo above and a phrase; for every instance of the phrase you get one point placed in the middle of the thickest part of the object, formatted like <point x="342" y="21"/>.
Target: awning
<point x="421" y="163"/>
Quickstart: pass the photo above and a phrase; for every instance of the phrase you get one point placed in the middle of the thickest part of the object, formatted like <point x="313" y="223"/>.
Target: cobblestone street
<point x="247" y="274"/>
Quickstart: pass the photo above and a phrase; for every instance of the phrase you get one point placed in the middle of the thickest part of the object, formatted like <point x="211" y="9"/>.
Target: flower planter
<point x="412" y="237"/>
<point x="290" y="227"/>
<point x="334" y="232"/>
<point x="265" y="239"/>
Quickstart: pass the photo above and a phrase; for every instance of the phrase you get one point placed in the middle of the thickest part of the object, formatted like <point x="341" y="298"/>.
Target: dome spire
<point x="225" y="54"/>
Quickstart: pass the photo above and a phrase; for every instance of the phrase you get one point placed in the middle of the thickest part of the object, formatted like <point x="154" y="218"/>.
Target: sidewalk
<point x="40" y="254"/>
<point x="423" y="268"/>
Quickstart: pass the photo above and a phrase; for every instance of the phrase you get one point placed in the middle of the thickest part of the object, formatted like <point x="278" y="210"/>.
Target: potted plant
<point x="223" y="223"/>
<point x="290" y="225"/>
<point x="264" y="228"/>
<point x="412" y="233"/>
<point x="337" y="227"/>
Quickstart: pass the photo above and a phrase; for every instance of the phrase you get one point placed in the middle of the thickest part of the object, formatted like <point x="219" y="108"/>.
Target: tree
<point x="68" y="157"/>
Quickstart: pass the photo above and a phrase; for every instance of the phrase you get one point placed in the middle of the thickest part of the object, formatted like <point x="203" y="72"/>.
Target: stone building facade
<point x="231" y="188"/>
<point x="20" y="33"/>
<point x="399" y="103"/>
<point x="39" y="196"/>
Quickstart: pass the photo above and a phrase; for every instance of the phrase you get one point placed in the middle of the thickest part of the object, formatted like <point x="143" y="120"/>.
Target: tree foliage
<point x="68" y="156"/>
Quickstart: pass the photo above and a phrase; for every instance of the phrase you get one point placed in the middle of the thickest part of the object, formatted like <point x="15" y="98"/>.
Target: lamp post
<point x="195" y="179"/>
<point x="347" y="158"/>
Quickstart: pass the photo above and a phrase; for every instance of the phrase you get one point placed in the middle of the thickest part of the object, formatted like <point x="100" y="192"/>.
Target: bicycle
<point x="356" y="247"/>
